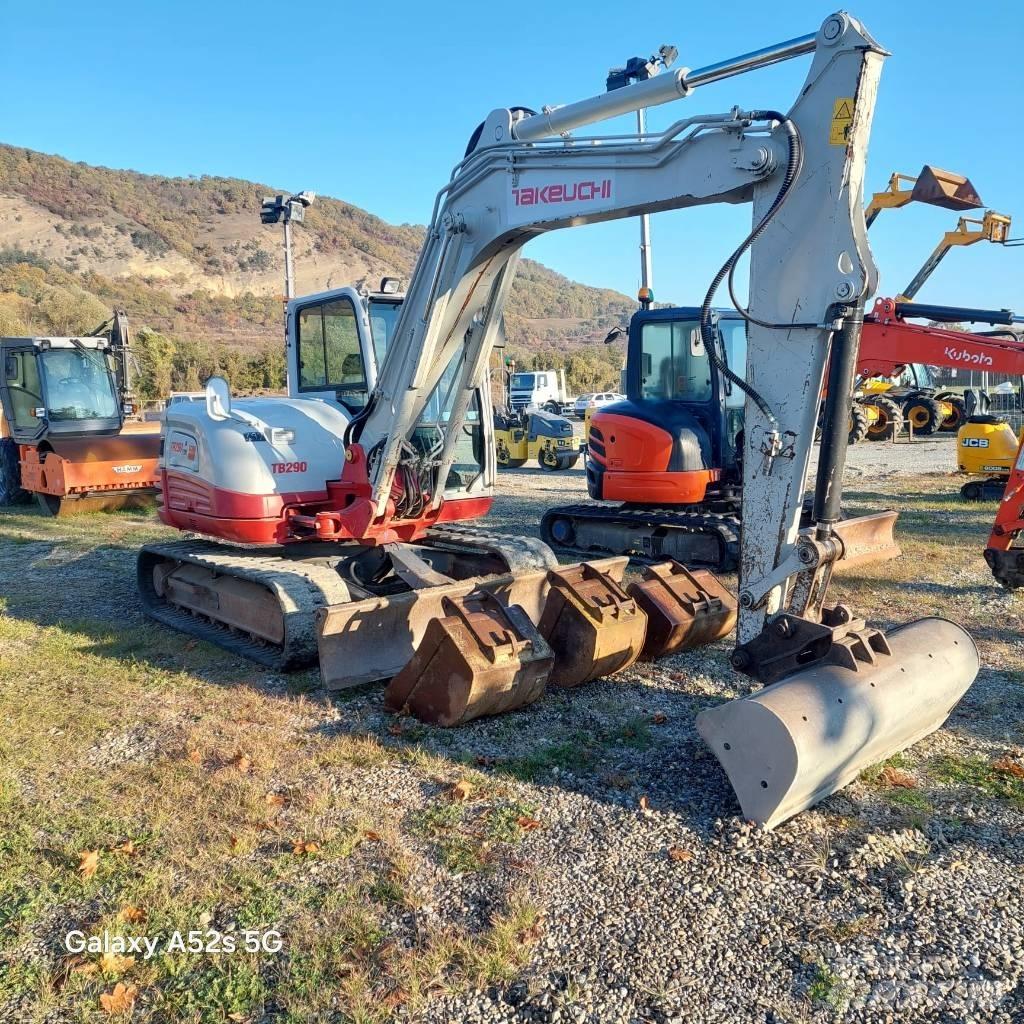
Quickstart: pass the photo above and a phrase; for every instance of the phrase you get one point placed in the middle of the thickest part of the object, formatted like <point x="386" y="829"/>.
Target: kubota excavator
<point x="64" y="404"/>
<point x="355" y="481"/>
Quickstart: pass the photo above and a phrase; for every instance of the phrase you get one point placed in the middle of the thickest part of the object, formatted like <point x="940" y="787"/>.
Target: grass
<point x="980" y="774"/>
<point x="828" y="989"/>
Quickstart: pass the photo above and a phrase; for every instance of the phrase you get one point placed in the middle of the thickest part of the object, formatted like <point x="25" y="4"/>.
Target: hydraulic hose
<point x="794" y="163"/>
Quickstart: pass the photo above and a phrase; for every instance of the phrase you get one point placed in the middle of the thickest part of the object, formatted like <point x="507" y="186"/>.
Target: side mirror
<point x="218" y="399"/>
<point x="613" y="335"/>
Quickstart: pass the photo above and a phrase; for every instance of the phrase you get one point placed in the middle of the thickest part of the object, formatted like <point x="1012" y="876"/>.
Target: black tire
<point x="889" y="423"/>
<point x="858" y="423"/>
<point x="553" y="407"/>
<point x="958" y="417"/>
<point x="49" y="504"/>
<point x="924" y="413"/>
<point x="11" y="491"/>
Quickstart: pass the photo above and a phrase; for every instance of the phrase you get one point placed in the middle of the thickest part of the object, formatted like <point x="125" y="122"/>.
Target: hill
<point x="190" y="261"/>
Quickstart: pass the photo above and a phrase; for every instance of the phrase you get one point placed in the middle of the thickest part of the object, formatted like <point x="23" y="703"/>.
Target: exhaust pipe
<point x="808" y="735"/>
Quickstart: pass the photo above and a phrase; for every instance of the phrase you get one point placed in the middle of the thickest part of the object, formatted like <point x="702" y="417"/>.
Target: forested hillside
<point x="201" y="278"/>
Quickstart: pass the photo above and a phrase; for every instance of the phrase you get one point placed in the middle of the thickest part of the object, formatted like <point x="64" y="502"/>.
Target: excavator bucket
<point x="684" y="609"/>
<point x="593" y="626"/>
<point x="482" y="658"/>
<point x="809" y="734"/>
<point x="944" y="188"/>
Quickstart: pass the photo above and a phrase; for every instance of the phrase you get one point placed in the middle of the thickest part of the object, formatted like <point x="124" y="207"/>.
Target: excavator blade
<point x="482" y="658"/>
<point x="937" y="187"/>
<point x="594" y="627"/>
<point x="808" y="735"/>
<point x="684" y="609"/>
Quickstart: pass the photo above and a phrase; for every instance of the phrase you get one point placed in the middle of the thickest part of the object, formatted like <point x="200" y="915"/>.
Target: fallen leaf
<point x="485" y="760"/>
<point x="87" y="968"/>
<point x="121" y="1000"/>
<point x="527" y="824"/>
<point x="131" y="915"/>
<point x="1008" y="766"/>
<point x="237" y="1016"/>
<point x="276" y="800"/>
<point x="232" y="841"/>
<point x="660" y="718"/>
<point x="645" y="804"/>
<point x="128" y="848"/>
<point x="111" y="963"/>
<point x="461" y="791"/>
<point x="241" y="762"/>
<point x="679" y="854"/>
<point x="195" y="757"/>
<point x="374" y="837"/>
<point x="88" y="863"/>
<point x="900" y="780"/>
<point x="303" y="849"/>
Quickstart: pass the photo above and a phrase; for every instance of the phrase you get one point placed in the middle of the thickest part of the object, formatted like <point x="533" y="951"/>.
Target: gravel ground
<point x="658" y="903"/>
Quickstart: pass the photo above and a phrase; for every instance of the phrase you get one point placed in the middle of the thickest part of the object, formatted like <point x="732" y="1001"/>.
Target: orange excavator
<point x="64" y="426"/>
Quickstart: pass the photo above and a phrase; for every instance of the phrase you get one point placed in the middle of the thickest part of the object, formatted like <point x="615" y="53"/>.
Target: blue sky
<point x="373" y="103"/>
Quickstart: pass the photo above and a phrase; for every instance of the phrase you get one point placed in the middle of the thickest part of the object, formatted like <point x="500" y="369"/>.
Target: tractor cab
<point x="60" y="387"/>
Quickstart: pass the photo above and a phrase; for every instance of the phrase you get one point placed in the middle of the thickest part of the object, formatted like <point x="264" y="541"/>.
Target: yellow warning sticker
<point x="842" y="118"/>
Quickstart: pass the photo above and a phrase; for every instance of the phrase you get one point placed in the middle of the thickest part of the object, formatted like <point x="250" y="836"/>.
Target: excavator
<point x="337" y="516"/>
<point x="65" y="403"/>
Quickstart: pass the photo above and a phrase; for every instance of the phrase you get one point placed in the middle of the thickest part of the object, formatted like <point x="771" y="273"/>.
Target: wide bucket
<point x="947" y="189"/>
<point x="808" y="735"/>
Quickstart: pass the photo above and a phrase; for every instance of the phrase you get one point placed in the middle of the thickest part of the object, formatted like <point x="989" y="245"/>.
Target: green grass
<point x="828" y="989"/>
<point x="979" y="774"/>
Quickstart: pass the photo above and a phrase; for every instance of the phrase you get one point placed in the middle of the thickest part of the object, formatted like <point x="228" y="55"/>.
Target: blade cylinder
<point x="795" y="742"/>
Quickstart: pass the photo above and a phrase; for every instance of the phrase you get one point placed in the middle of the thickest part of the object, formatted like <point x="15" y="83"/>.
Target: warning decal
<point x="842" y="118"/>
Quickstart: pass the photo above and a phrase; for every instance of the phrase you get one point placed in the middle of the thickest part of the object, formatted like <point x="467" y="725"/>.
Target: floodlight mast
<point x="279" y="209"/>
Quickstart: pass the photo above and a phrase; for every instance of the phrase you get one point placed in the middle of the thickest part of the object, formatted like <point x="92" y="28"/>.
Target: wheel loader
<point x="338" y="517"/>
<point x="65" y="404"/>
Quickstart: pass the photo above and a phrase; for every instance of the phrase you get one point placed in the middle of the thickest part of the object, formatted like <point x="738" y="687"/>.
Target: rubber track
<point x="721" y="525"/>
<point x="300" y="586"/>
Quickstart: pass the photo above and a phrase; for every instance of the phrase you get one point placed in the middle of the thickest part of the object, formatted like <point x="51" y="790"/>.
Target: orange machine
<point x="64" y="402"/>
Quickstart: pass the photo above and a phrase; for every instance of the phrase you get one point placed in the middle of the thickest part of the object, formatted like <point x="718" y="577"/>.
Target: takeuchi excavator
<point x="359" y="485"/>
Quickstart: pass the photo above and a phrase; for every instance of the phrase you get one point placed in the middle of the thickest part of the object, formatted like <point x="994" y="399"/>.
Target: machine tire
<point x="51" y="505"/>
<point x="548" y="459"/>
<point x="890" y="420"/>
<point x="974" y="491"/>
<point x="11" y="491"/>
<point x="553" y="407"/>
<point x="959" y="417"/>
<point x="858" y="423"/>
<point x="924" y="413"/>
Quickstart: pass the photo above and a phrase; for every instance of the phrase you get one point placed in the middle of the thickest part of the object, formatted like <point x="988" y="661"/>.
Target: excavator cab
<point x="676" y="437"/>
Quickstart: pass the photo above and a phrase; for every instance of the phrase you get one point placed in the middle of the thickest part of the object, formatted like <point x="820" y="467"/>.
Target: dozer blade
<point x="808" y="735"/>
<point x="594" y="627"/>
<point x="684" y="609"/>
<point x="866" y="539"/>
<point x="937" y="187"/>
<point x="482" y="658"/>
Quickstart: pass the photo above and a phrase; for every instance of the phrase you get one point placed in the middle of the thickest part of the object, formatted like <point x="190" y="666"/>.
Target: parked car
<point x="604" y="398"/>
<point x="580" y="405"/>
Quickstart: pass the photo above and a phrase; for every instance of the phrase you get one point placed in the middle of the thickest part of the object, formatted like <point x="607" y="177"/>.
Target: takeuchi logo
<point x="963" y="355"/>
<point x="562" y="192"/>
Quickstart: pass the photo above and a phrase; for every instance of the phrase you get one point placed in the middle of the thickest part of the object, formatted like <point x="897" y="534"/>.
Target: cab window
<point x="674" y="363"/>
<point x="734" y="337"/>
<point x="22" y="374"/>
<point x="383" y="317"/>
<point x="328" y="350"/>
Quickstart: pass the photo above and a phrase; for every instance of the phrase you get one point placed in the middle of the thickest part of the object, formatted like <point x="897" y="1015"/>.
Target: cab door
<point x="21" y="391"/>
<point x="330" y="352"/>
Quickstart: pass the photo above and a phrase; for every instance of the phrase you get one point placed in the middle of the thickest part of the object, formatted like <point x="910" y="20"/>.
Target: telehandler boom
<point x="378" y="465"/>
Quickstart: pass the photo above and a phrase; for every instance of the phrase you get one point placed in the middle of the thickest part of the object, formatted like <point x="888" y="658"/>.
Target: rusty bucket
<point x="482" y="658"/>
<point x="947" y="189"/>
<point x="593" y="626"/>
<point x="684" y="609"/>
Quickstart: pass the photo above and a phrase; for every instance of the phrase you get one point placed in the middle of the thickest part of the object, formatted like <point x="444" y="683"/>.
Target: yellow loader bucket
<point x="808" y="735"/>
<point x="937" y="187"/>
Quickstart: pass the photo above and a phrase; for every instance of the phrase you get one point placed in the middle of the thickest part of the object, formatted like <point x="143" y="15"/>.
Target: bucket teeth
<point x="482" y="658"/>
<point x="593" y="626"/>
<point x="684" y="609"/>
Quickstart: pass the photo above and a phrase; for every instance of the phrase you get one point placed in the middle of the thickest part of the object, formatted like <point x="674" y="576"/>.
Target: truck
<point x="541" y="389"/>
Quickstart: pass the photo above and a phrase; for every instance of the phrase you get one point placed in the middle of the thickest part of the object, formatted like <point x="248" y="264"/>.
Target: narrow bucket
<point x="482" y="658"/>
<point x="684" y="609"/>
<point x="593" y="626"/>
<point x="808" y="735"/>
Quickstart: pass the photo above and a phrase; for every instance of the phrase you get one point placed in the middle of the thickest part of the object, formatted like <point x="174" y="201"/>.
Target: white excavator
<point x="338" y="514"/>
